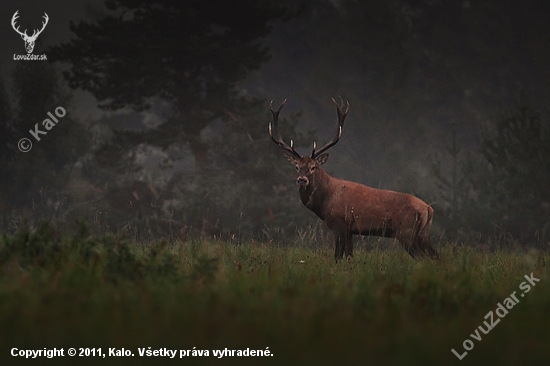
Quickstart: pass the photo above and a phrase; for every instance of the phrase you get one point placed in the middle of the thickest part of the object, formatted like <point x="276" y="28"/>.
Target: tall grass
<point x="381" y="308"/>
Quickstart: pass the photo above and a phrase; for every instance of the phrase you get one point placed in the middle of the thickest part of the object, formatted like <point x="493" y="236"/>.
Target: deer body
<point x="350" y="208"/>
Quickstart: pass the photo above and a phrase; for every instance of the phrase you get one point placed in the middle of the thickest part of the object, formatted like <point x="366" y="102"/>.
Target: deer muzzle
<point x="302" y="181"/>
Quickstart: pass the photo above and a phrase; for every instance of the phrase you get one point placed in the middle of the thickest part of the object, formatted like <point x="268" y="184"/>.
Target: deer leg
<point x="418" y="248"/>
<point x="409" y="244"/>
<point x="411" y="249"/>
<point x="426" y="248"/>
<point x="432" y="253"/>
<point x="348" y="245"/>
<point x="423" y="237"/>
<point x="339" y="245"/>
<point x="412" y="239"/>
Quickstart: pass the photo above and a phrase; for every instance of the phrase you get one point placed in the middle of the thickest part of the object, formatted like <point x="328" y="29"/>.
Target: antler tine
<point x="341" y="118"/>
<point x="13" y="19"/>
<point x="46" y="18"/>
<point x="339" y="107"/>
<point x="274" y="126"/>
<point x="45" y="22"/>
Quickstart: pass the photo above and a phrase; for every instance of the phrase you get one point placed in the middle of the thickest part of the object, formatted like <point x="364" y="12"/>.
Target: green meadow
<point x="380" y="308"/>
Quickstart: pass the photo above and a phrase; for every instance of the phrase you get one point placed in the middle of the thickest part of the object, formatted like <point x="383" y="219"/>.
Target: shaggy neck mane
<point x="314" y="194"/>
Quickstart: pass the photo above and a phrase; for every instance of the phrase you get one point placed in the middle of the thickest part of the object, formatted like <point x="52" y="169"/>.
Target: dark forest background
<point x="449" y="101"/>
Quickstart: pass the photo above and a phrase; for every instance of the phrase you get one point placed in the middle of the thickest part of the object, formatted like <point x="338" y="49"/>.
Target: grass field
<point x="381" y="308"/>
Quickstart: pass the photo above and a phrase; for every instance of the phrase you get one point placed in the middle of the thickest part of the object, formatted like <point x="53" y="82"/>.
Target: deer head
<point x="29" y="40"/>
<point x="306" y="166"/>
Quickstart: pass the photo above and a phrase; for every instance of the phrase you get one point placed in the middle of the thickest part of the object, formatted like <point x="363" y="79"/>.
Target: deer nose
<point x="302" y="181"/>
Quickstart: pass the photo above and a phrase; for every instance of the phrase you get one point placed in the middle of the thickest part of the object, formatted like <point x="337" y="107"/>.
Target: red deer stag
<point x="349" y="208"/>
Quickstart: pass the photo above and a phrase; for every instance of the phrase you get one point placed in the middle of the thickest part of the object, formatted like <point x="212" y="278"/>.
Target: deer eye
<point x="297" y="168"/>
<point x="312" y="168"/>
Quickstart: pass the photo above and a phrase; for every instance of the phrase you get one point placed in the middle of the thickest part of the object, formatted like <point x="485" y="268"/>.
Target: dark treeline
<point x="448" y="102"/>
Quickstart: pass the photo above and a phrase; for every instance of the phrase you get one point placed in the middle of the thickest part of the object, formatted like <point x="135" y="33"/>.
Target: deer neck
<point x="316" y="193"/>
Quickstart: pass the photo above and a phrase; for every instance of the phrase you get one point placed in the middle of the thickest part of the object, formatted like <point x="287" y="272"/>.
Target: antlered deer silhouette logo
<point x="29" y="40"/>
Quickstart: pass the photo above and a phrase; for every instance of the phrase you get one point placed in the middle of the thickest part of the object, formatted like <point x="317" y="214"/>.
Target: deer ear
<point x="291" y="159"/>
<point x="321" y="159"/>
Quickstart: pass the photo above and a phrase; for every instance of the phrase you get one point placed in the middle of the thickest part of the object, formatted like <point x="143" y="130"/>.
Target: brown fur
<point x="350" y="208"/>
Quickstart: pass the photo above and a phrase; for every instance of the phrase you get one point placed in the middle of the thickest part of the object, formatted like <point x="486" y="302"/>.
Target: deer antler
<point x="46" y="18"/>
<point x="24" y="34"/>
<point x="341" y="117"/>
<point x="274" y="126"/>
<point x="13" y="19"/>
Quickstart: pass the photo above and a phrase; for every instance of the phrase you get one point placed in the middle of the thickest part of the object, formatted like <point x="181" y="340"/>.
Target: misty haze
<point x="136" y="155"/>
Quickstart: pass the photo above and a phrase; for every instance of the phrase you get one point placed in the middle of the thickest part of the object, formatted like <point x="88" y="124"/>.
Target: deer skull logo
<point x="29" y="40"/>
